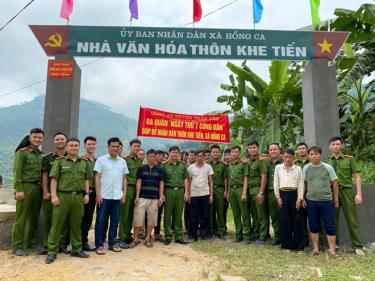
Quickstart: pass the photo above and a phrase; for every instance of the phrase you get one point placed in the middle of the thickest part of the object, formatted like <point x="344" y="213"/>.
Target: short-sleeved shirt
<point x="271" y="172"/>
<point x="220" y="170"/>
<point x="71" y="175"/>
<point x="111" y="172"/>
<point x="237" y="172"/>
<point x="47" y="163"/>
<point x="27" y="167"/>
<point x="133" y="163"/>
<point x="150" y="181"/>
<point x="174" y="174"/>
<point x="318" y="179"/>
<point x="199" y="179"/>
<point x="345" y="166"/>
<point x="257" y="167"/>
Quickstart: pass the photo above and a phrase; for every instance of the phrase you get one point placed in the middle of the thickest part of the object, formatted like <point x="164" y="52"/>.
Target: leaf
<point x="278" y="76"/>
<point x="222" y="99"/>
<point x="364" y="65"/>
<point x="258" y="83"/>
<point x="226" y="87"/>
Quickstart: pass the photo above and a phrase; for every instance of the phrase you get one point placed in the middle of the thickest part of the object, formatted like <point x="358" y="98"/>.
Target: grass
<point x="271" y="263"/>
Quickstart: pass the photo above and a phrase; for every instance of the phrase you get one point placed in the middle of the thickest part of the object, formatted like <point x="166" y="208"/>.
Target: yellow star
<point x="325" y="46"/>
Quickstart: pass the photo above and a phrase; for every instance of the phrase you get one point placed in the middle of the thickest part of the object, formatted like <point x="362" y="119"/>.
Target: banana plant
<point x="267" y="112"/>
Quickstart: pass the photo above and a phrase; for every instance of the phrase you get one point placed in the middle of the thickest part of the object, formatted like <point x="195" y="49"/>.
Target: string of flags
<point x="67" y="9"/>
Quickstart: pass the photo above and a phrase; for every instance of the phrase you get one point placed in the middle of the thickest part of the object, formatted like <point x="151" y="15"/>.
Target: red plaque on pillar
<point x="60" y="69"/>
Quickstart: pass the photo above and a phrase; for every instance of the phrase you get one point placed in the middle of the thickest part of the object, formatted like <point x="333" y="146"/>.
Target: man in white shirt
<point x="289" y="191"/>
<point x="201" y="188"/>
<point x="110" y="187"/>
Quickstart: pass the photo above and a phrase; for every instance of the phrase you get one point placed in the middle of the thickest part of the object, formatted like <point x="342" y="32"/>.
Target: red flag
<point x="197" y="10"/>
<point x="66" y="9"/>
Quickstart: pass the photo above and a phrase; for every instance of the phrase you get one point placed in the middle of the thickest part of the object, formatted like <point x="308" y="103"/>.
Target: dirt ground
<point x="173" y="262"/>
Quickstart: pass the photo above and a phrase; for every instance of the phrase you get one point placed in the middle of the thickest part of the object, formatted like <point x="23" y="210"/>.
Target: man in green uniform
<point x="220" y="178"/>
<point x="346" y="167"/>
<point x="257" y="182"/>
<point x="27" y="173"/>
<point x="59" y="141"/>
<point x="302" y="159"/>
<point x="90" y="146"/>
<point x="271" y="202"/>
<point x="238" y="195"/>
<point x="176" y="192"/>
<point x="70" y="180"/>
<point x="127" y="209"/>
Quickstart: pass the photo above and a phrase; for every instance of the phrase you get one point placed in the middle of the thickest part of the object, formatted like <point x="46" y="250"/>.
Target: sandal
<point x="313" y="253"/>
<point x="114" y="248"/>
<point x="148" y="244"/>
<point x="133" y="244"/>
<point x="100" y="251"/>
<point x="334" y="255"/>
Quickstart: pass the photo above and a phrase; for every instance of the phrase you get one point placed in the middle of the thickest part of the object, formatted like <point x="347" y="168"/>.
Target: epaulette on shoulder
<point x="61" y="157"/>
<point x="23" y="148"/>
<point x="48" y="154"/>
<point x="348" y="156"/>
<point x="84" y="158"/>
<point x="126" y="157"/>
<point x="165" y="162"/>
<point x="243" y="161"/>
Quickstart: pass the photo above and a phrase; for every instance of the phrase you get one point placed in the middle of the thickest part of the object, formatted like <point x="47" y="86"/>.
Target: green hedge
<point x="368" y="172"/>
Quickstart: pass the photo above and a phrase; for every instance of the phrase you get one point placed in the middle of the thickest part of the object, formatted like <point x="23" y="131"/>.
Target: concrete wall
<point x="366" y="214"/>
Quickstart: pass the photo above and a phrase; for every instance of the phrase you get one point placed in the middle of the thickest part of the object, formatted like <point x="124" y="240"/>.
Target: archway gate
<point x="66" y="42"/>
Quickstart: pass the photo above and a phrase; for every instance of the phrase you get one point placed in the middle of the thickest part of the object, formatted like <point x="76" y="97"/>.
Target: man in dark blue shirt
<point x="149" y="196"/>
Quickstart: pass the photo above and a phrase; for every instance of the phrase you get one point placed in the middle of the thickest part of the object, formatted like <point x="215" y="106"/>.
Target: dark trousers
<point x="87" y="217"/>
<point x="112" y="208"/>
<point x="226" y="206"/>
<point x="199" y="217"/>
<point x="160" y="212"/>
<point x="186" y="215"/>
<point x="291" y="222"/>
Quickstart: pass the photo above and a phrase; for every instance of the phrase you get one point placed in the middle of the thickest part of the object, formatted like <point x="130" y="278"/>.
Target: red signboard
<point x="162" y="124"/>
<point x="60" y="69"/>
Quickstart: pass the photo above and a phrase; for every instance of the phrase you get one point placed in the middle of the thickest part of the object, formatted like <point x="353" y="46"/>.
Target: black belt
<point x="72" y="192"/>
<point x="174" y="188"/>
<point x="287" y="189"/>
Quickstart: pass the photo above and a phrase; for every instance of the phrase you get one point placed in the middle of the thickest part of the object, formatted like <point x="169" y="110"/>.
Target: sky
<point x="125" y="84"/>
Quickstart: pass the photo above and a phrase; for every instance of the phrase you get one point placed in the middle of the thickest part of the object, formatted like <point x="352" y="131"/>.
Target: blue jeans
<point x="112" y="208"/>
<point x="325" y="210"/>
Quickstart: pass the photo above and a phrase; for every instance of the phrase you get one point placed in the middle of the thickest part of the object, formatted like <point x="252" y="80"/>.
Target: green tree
<point x="263" y="110"/>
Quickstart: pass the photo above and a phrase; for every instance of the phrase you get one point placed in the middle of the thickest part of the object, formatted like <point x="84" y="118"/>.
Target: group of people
<point x="295" y="192"/>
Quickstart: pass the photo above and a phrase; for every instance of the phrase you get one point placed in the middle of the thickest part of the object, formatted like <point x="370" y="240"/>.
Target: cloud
<point x="125" y="84"/>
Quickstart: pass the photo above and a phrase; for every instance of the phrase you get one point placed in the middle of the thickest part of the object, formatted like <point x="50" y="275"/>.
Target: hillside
<point x="95" y="119"/>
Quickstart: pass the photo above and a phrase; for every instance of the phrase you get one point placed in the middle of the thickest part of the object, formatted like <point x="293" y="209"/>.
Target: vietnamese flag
<point x="197" y="10"/>
<point x="66" y="9"/>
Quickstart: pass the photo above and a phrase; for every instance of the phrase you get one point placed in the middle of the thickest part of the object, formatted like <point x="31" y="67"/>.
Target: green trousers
<point x="27" y="213"/>
<point x="347" y="204"/>
<point x="241" y="215"/>
<point x="127" y="214"/>
<point x="274" y="213"/>
<point x="262" y="213"/>
<point x="254" y="225"/>
<point x="71" y="209"/>
<point x="218" y="210"/>
<point x="173" y="209"/>
<point x="47" y="212"/>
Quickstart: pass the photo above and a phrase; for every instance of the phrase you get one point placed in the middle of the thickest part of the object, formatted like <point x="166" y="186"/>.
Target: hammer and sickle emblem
<point x="54" y="41"/>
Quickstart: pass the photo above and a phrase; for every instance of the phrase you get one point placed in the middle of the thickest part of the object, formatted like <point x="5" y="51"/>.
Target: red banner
<point x="162" y="124"/>
<point x="60" y="69"/>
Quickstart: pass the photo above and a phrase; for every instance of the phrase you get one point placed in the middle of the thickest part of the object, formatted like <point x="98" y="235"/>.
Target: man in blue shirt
<point x="110" y="188"/>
